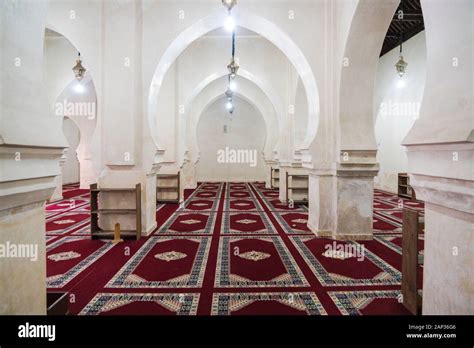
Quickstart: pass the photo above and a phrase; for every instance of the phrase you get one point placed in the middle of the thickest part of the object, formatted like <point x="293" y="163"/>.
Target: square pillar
<point x="341" y="197"/>
<point x="448" y="193"/>
<point x="284" y="168"/>
<point x="123" y="200"/>
<point x="321" y="208"/>
<point x="25" y="186"/>
<point x="353" y="196"/>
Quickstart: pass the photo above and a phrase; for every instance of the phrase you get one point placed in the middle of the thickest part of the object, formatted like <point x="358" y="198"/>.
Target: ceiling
<point x="411" y="24"/>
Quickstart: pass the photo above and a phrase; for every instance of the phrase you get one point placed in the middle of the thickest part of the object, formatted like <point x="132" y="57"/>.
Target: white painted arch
<point x="63" y="93"/>
<point x="247" y="91"/>
<point x="266" y="88"/>
<point x="194" y="120"/>
<point x="259" y="25"/>
<point x="272" y="123"/>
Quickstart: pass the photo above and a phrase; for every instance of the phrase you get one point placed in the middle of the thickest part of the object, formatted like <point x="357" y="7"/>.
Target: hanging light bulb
<point x="400" y="83"/>
<point x="78" y="69"/>
<point x="229" y="23"/>
<point x="230" y="106"/>
<point x="233" y="85"/>
<point x="229" y="4"/>
<point x="233" y="67"/>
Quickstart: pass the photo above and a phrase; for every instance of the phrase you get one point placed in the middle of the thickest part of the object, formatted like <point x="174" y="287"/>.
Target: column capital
<point x="28" y="174"/>
<point x="442" y="174"/>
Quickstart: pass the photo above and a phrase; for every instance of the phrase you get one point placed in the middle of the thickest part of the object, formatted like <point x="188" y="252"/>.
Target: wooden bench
<point x="99" y="233"/>
<point x="274" y="178"/>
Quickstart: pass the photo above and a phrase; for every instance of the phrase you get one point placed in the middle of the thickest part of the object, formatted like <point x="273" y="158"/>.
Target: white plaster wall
<point x="70" y="168"/>
<point x="300" y="118"/>
<point x="396" y="108"/>
<point x="245" y="131"/>
<point x="166" y="120"/>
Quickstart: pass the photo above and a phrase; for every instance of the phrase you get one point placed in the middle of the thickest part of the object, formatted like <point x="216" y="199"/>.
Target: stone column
<point x="188" y="174"/>
<point x="321" y="207"/>
<point x="448" y="284"/>
<point x="123" y="160"/>
<point x="341" y="196"/>
<point x="353" y="191"/>
<point x="58" y="191"/>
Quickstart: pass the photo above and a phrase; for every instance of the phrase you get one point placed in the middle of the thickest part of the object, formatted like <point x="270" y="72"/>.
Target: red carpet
<point x="230" y="249"/>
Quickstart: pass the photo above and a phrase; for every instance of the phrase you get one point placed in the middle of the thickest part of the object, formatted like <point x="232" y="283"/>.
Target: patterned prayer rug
<point x="228" y="249"/>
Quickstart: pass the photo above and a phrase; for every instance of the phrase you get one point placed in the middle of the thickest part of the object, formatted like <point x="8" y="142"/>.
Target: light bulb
<point x="401" y="83"/>
<point x="229" y="24"/>
<point x="233" y="86"/>
<point x="229" y="105"/>
<point x="79" y="88"/>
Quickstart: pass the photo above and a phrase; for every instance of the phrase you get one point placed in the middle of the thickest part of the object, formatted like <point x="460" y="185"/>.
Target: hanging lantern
<point x="229" y="4"/>
<point x="230" y="106"/>
<point x="78" y="69"/>
<point x="401" y="66"/>
<point x="233" y="67"/>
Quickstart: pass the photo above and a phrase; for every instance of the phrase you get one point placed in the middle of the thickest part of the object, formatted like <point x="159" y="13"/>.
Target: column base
<point x="341" y="200"/>
<point x="331" y="235"/>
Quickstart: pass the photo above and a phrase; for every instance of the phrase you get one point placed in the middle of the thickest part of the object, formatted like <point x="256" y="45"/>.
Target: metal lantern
<point x="229" y="4"/>
<point x="401" y="66"/>
<point x="78" y="69"/>
<point x="233" y="67"/>
<point x="229" y="94"/>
